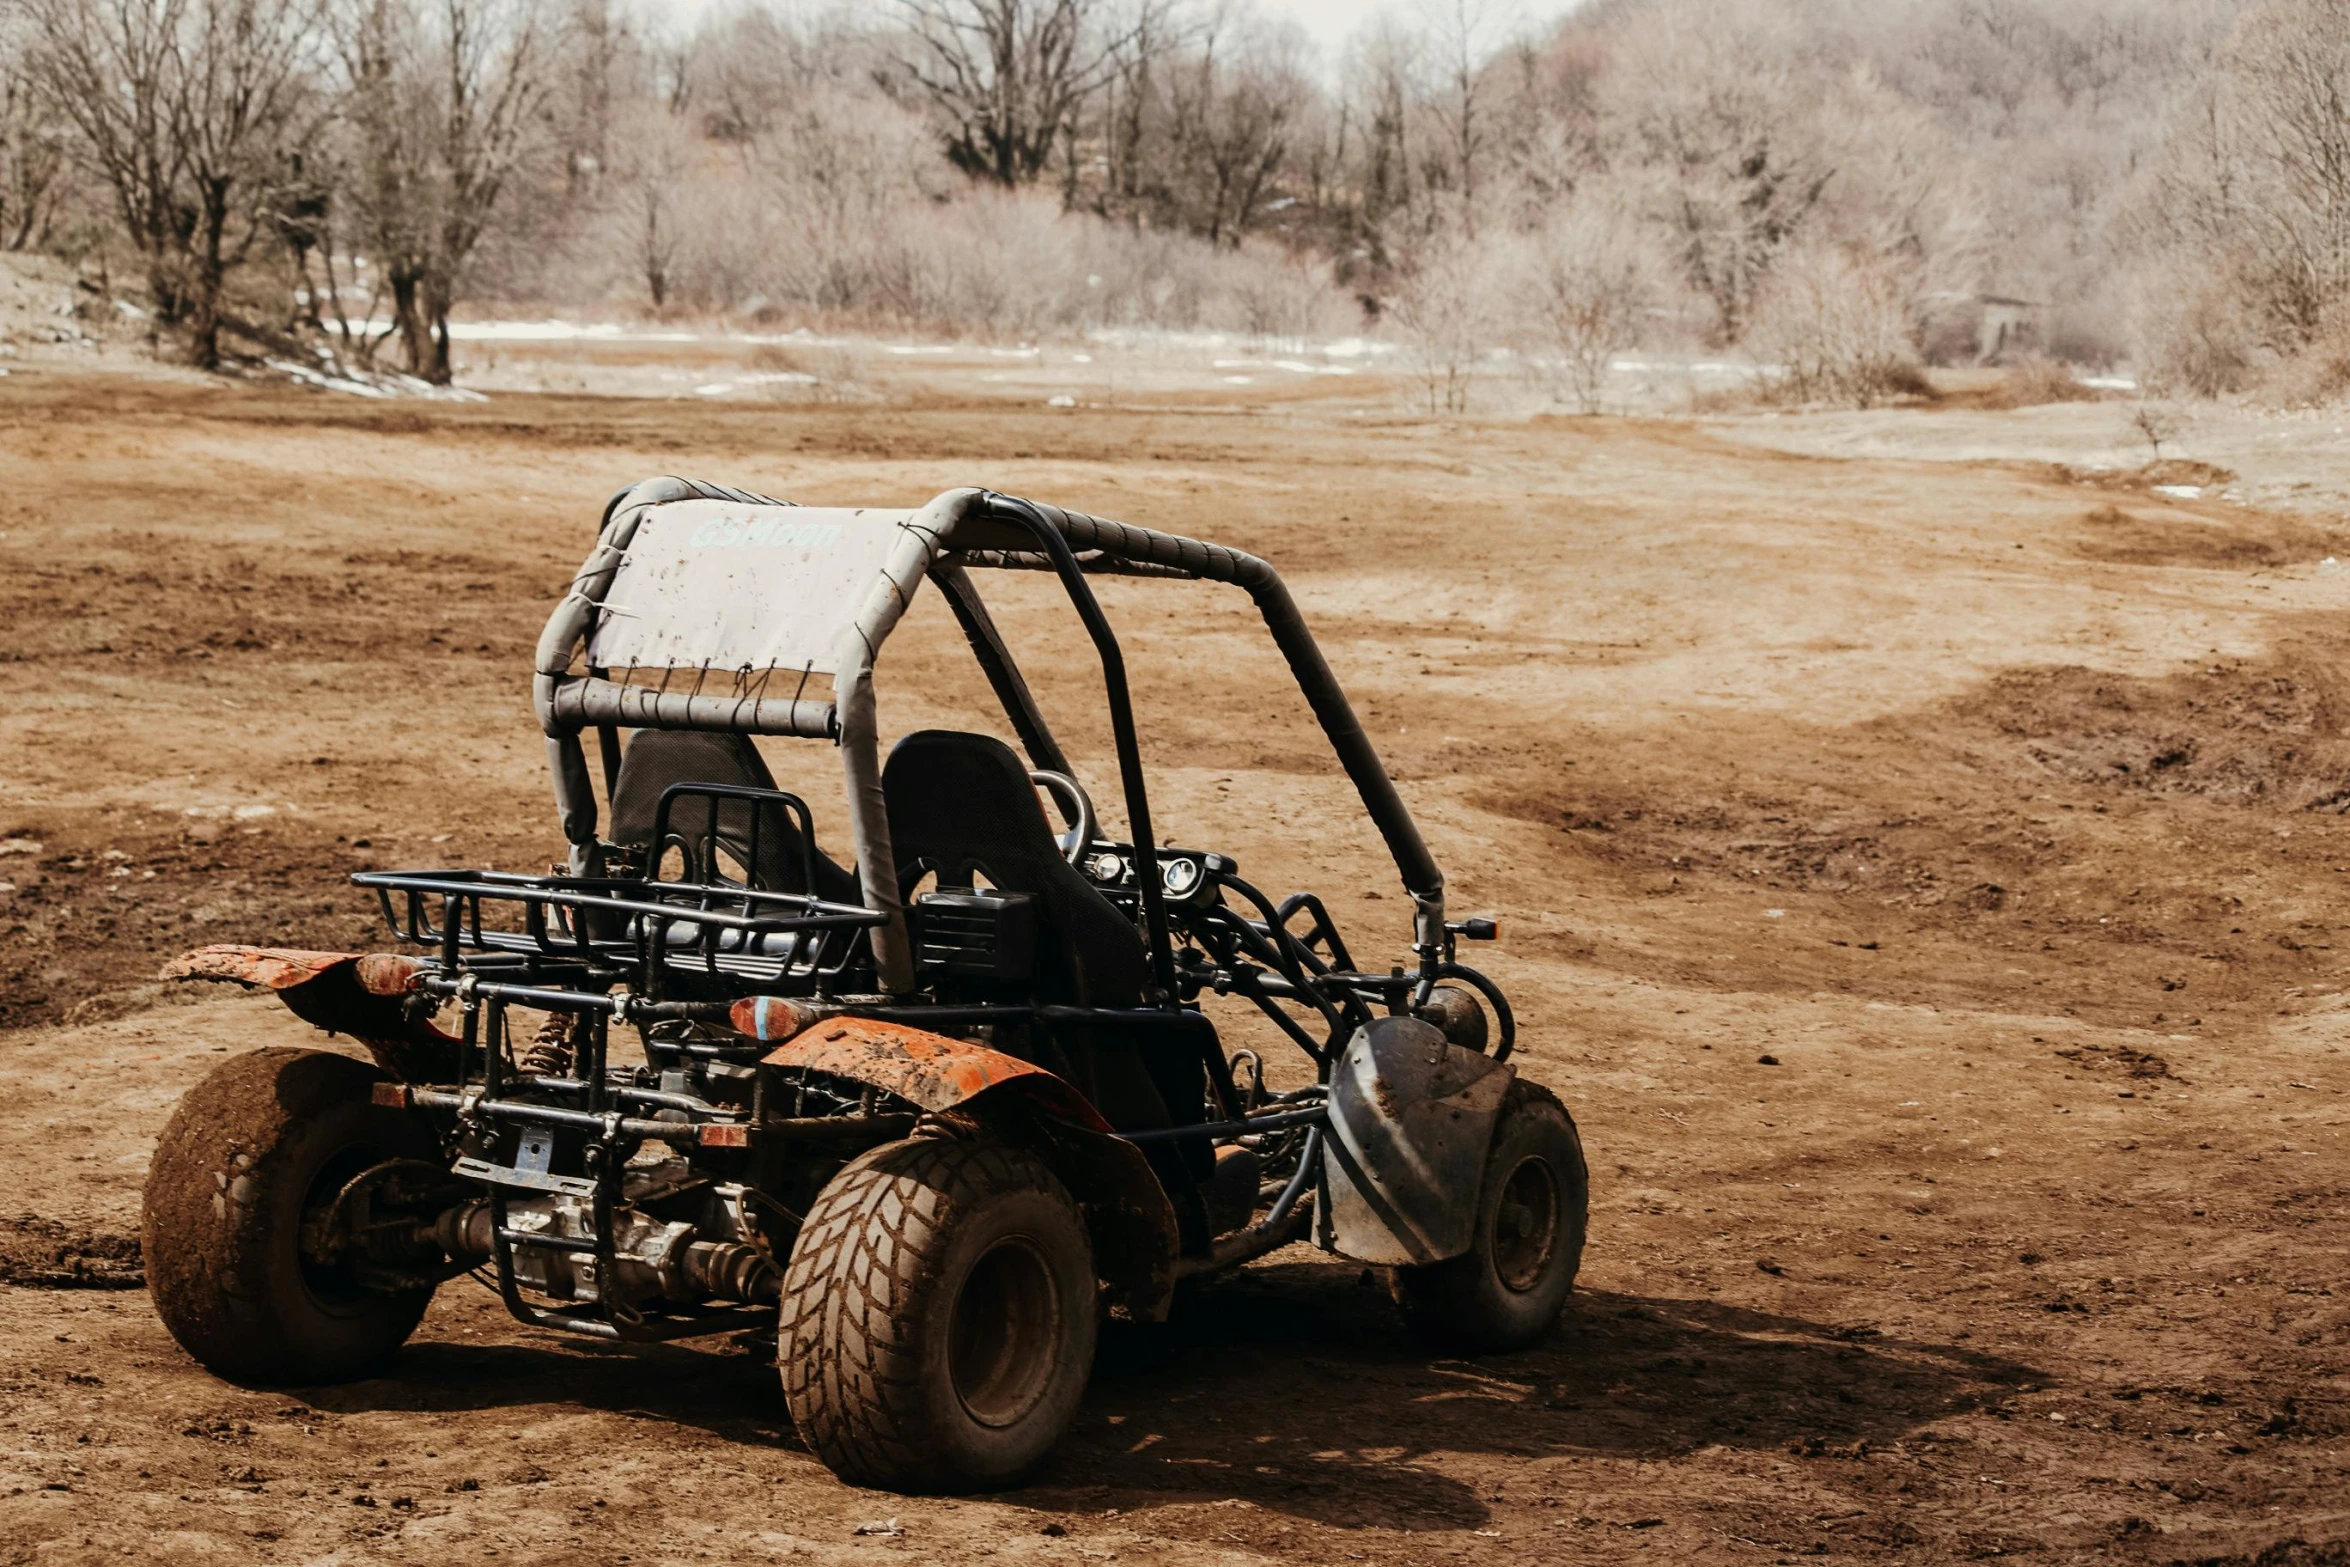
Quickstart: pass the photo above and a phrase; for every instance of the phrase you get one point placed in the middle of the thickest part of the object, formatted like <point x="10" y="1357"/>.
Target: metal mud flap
<point x="1411" y="1118"/>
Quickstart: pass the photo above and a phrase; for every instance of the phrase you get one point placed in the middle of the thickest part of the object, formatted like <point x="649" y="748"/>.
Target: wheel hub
<point x="1525" y="1225"/>
<point x="1005" y="1332"/>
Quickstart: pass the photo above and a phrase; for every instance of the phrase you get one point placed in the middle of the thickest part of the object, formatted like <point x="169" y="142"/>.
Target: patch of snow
<point x="2180" y="492"/>
<point x="1063" y="400"/>
<point x="388" y="384"/>
<point x="756" y="378"/>
<point x="2110" y="383"/>
<point x="1294" y="366"/>
<point x="323" y="381"/>
<point x="541" y="332"/>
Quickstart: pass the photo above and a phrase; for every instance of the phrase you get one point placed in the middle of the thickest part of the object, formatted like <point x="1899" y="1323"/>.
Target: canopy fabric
<point x="720" y="585"/>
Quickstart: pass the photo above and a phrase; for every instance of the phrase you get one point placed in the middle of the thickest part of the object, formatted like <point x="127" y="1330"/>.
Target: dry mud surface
<point x="1921" y="878"/>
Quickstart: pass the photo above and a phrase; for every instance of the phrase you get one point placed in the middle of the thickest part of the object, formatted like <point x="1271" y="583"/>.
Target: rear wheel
<point x="938" y="1316"/>
<point x="252" y="1152"/>
<point x="1509" y="1287"/>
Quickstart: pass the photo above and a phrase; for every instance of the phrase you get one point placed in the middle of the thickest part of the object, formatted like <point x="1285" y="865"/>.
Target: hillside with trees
<point x="1844" y="193"/>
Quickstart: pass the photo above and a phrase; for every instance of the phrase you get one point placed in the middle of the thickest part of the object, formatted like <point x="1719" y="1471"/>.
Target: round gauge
<point x="1105" y="867"/>
<point x="1178" y="876"/>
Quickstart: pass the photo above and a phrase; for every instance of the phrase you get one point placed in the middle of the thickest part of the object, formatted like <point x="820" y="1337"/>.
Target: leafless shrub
<point x="2155" y="423"/>
<point x="1585" y="282"/>
<point x="813" y="372"/>
<point x="1837" y="326"/>
<point x="1284" y="298"/>
<point x="1446" y="311"/>
<point x="2037" y="381"/>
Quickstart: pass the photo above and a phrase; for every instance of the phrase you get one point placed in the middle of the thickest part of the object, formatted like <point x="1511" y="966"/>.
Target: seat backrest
<point x="960" y="803"/>
<point x="657" y="759"/>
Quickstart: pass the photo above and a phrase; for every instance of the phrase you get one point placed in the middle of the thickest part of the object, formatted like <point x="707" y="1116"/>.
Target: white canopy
<point x="729" y="586"/>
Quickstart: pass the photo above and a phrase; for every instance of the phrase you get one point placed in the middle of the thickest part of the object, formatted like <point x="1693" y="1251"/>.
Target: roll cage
<point x="944" y="542"/>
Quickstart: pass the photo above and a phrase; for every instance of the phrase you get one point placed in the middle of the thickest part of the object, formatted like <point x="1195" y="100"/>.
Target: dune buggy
<point x="924" y="1116"/>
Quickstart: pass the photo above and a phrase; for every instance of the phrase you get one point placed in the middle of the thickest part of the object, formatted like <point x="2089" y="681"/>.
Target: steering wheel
<point x="1076" y="809"/>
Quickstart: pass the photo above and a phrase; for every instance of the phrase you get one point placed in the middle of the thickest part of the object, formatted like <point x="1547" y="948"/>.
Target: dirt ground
<point x="1920" y="877"/>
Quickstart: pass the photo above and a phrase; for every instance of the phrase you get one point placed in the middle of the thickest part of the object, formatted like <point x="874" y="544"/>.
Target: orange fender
<point x="360" y="994"/>
<point x="1135" y="1239"/>
<point x="930" y="1070"/>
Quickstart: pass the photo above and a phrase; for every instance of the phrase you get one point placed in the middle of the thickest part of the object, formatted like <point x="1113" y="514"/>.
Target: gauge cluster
<point x="1187" y="877"/>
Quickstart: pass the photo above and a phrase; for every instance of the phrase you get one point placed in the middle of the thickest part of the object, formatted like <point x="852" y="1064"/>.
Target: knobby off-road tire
<point x="938" y="1316"/>
<point x="264" y="1138"/>
<point x="1532" y="1206"/>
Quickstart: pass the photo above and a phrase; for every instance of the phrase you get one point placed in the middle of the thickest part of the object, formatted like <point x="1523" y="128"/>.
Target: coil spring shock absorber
<point x="553" y="1049"/>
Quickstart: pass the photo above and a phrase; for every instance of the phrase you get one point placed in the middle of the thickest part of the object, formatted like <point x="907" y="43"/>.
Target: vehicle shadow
<point x="1293" y="1386"/>
<point x="730" y="1394"/>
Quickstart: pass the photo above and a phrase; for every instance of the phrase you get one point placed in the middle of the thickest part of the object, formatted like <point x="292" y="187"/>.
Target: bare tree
<point x="1006" y="76"/>
<point x="1231" y="104"/>
<point x="33" y="147"/>
<point x="1586" y="293"/>
<point x="1462" y="37"/>
<point x="440" y="94"/>
<point x="1132" y="104"/>
<point x="1705" y="104"/>
<point x="1384" y="78"/>
<point x="32" y="165"/>
<point x="655" y="173"/>
<point x="186" y="107"/>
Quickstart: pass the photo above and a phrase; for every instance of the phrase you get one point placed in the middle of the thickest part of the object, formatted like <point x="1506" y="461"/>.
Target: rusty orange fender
<point x="1135" y="1238"/>
<point x="930" y="1070"/>
<point x="360" y="994"/>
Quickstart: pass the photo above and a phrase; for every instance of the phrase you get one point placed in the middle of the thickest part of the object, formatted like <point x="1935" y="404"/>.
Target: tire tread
<point x="871" y="1242"/>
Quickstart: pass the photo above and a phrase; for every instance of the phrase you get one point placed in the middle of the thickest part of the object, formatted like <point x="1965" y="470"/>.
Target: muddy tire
<point x="1509" y="1287"/>
<point x="938" y="1316"/>
<point x="252" y="1147"/>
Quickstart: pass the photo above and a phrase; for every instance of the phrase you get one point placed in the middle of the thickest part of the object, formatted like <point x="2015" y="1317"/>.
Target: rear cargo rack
<point x="715" y="928"/>
<point x="702" y="922"/>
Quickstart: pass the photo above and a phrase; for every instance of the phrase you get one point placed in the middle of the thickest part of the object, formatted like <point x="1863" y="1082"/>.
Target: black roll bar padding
<point x="1221" y="563"/>
<point x="1028" y="515"/>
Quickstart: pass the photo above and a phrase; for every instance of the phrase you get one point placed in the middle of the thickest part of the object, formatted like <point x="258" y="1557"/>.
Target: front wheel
<point x="1532" y="1206"/>
<point x="254" y="1153"/>
<point x="938" y="1316"/>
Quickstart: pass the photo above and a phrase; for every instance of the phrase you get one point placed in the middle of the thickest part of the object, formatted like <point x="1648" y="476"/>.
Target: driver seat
<point x="960" y="803"/>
